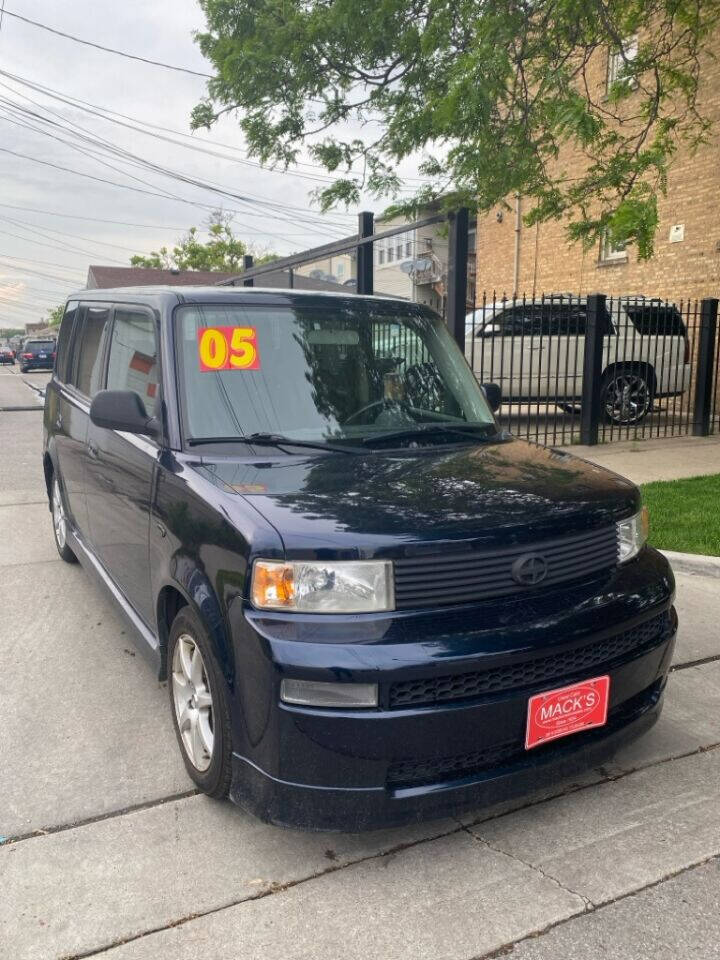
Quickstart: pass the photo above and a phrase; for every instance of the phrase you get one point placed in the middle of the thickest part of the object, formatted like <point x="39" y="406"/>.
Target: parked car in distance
<point x="36" y="355"/>
<point x="371" y="604"/>
<point x="7" y="356"/>
<point x="534" y="350"/>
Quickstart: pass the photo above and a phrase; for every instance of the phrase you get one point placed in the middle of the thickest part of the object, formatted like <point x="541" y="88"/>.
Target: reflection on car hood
<point x="497" y="493"/>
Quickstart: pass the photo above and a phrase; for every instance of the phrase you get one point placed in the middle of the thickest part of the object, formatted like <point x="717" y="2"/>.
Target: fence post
<point x="457" y="274"/>
<point x="248" y="265"/>
<point x="590" y="404"/>
<point x="366" y="228"/>
<point x="705" y="368"/>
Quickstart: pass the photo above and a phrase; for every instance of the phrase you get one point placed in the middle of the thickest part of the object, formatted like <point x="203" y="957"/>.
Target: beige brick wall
<point x="682" y="270"/>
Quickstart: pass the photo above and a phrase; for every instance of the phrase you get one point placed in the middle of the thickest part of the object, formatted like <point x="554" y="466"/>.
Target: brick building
<point x="686" y="263"/>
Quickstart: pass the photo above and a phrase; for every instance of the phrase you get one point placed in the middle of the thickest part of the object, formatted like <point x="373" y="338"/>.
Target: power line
<point x="119" y="223"/>
<point x="126" y="156"/>
<point x="7" y="285"/>
<point x="99" y="46"/>
<point x="73" y="236"/>
<point x="35" y="273"/>
<point x="121" y="153"/>
<point x="136" y="125"/>
<point x="44" y="263"/>
<point x="14" y="305"/>
<point x="53" y="246"/>
<point x="75" y="216"/>
<point x="154" y="193"/>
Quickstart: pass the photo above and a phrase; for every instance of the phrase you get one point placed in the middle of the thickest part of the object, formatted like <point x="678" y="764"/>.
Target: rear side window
<point x="66" y="325"/>
<point x="133" y="356"/>
<point x="655" y="319"/>
<point x="88" y="353"/>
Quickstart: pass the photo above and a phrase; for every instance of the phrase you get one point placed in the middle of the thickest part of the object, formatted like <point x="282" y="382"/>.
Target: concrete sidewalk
<point x="108" y="851"/>
<point x="643" y="461"/>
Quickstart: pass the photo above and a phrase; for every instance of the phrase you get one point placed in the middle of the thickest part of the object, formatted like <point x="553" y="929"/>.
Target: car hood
<point x="385" y="504"/>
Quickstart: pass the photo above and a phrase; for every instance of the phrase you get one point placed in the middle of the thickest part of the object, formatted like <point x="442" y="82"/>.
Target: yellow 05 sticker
<point x="228" y="348"/>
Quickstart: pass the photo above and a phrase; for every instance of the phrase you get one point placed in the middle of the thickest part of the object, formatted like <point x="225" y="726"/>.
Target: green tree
<point x="495" y="95"/>
<point x="55" y="315"/>
<point x="222" y="250"/>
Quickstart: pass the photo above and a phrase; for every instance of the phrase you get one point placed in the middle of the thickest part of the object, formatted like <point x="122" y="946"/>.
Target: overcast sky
<point x="38" y="269"/>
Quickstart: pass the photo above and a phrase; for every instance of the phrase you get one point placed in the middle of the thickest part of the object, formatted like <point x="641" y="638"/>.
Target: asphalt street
<point x="107" y="850"/>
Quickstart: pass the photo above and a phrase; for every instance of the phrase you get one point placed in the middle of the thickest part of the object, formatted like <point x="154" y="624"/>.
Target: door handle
<point x="92" y="451"/>
<point x="58" y="421"/>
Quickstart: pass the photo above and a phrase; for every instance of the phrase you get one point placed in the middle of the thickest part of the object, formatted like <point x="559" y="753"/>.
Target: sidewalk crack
<point x="588" y="904"/>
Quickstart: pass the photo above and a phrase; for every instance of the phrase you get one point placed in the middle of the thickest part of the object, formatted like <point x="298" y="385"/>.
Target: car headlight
<point x="633" y="534"/>
<point x="345" y="586"/>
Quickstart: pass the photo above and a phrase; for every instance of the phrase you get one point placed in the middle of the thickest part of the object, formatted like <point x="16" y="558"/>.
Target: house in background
<point x="513" y="258"/>
<point x="340" y="269"/>
<point x="413" y="265"/>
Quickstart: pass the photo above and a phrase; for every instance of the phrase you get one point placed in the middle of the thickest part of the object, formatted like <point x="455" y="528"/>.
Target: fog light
<point x="315" y="693"/>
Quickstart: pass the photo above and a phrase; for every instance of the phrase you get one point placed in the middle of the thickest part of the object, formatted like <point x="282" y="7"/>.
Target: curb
<point x="696" y="563"/>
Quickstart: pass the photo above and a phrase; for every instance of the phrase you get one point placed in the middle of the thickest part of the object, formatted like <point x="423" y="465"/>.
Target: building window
<point x="618" y="61"/>
<point x="380" y="252"/>
<point x="340" y="270"/>
<point x="408" y="248"/>
<point x="391" y="254"/>
<point x="612" y="252"/>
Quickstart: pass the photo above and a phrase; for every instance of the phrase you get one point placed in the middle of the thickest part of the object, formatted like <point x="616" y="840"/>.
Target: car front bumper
<point x="356" y="770"/>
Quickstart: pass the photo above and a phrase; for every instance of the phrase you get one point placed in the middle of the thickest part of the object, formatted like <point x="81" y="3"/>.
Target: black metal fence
<point x="595" y="369"/>
<point x="572" y="369"/>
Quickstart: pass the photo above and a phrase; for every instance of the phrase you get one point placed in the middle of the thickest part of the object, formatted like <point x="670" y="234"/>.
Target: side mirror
<point x="493" y="395"/>
<point x="122" y="410"/>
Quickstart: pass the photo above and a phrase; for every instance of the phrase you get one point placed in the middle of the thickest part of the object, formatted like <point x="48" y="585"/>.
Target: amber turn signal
<point x="273" y="585"/>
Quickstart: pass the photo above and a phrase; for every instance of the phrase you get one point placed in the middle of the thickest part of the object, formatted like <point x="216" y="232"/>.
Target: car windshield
<point x="349" y="371"/>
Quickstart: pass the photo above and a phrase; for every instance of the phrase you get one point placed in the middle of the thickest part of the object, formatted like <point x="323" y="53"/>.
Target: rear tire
<point x="60" y="521"/>
<point x="199" y="705"/>
<point x="627" y="394"/>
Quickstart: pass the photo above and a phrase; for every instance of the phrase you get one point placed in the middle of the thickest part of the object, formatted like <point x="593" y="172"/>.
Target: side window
<point x="62" y="356"/>
<point x="523" y="320"/>
<point x="88" y="353"/>
<point x="564" y="320"/>
<point x="133" y="356"/>
<point x="656" y="320"/>
<point x="510" y="323"/>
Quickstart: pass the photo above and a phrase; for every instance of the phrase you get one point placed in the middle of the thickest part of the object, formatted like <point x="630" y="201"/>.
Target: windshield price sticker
<point x="228" y="348"/>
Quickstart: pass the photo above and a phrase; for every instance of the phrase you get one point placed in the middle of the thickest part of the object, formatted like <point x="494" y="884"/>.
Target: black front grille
<point x="414" y="773"/>
<point x="528" y="673"/>
<point x="422" y="581"/>
<point x="410" y="772"/>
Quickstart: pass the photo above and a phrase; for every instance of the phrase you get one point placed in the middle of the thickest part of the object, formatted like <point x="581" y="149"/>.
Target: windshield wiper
<point x="271" y="440"/>
<point x="466" y="431"/>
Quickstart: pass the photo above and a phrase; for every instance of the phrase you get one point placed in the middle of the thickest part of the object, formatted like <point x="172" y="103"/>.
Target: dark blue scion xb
<point x="370" y="604"/>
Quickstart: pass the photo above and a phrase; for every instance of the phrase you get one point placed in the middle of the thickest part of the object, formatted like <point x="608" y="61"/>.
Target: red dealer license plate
<point x="566" y="710"/>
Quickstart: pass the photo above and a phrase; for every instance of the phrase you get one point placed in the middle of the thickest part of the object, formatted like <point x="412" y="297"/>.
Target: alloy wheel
<point x="627" y="398"/>
<point x="193" y="702"/>
<point x="58" y="515"/>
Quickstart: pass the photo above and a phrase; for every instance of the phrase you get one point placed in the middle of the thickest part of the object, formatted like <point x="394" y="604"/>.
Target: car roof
<point x="169" y="295"/>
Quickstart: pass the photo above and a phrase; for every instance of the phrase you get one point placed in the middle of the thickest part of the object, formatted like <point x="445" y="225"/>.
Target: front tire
<point x="60" y="521"/>
<point x="199" y="705"/>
